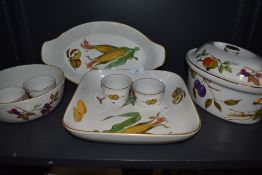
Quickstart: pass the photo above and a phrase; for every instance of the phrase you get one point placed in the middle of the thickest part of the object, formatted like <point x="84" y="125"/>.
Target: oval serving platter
<point x="101" y="45"/>
<point x="92" y="117"/>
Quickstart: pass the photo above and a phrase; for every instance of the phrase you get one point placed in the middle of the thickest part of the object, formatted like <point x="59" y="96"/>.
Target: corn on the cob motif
<point x="142" y="128"/>
<point x="118" y="56"/>
<point x="104" y="48"/>
<point x="129" y="125"/>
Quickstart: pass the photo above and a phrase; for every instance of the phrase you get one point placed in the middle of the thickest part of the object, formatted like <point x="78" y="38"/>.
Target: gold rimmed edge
<point x="148" y="135"/>
<point x="124" y="75"/>
<point x="150" y="93"/>
<point x="126" y="134"/>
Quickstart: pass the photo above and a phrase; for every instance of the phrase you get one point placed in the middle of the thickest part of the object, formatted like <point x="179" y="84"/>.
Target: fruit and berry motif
<point x="251" y="75"/>
<point x="111" y="55"/>
<point x="210" y="62"/>
<point x="238" y="115"/>
<point x="177" y="95"/>
<point x="44" y="109"/>
<point x="131" y="125"/>
<point x="200" y="88"/>
<point x="74" y="56"/>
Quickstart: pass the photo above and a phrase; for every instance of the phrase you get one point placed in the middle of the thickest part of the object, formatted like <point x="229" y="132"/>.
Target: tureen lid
<point x="228" y="62"/>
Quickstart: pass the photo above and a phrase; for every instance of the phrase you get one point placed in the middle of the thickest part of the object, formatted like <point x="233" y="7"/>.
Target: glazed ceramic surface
<point x="33" y="108"/>
<point x="90" y="116"/>
<point x="101" y="45"/>
<point x="148" y="91"/>
<point x="39" y="85"/>
<point x="12" y="94"/>
<point x="116" y="87"/>
<point x="225" y="80"/>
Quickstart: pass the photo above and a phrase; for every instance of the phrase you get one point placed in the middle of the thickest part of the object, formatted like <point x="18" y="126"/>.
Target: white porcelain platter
<point x="91" y="117"/>
<point x="101" y="45"/>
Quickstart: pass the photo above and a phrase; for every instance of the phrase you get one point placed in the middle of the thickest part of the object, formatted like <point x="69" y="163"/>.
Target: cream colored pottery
<point x="101" y="45"/>
<point x="225" y="80"/>
<point x="30" y="109"/>
<point x="91" y="117"/>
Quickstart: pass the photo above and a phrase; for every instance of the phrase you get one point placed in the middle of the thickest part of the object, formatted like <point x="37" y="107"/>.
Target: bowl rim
<point x="35" y="98"/>
<point x="8" y="87"/>
<point x="143" y="93"/>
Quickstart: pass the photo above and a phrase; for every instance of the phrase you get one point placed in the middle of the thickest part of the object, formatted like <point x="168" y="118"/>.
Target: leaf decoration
<point x="129" y="114"/>
<point x="202" y="54"/>
<point x="52" y="96"/>
<point x="258" y="114"/>
<point x="116" y="63"/>
<point x="23" y="116"/>
<point x="226" y="63"/>
<point x="208" y="103"/>
<point x="231" y="102"/>
<point x="134" y="117"/>
<point x="193" y="73"/>
<point x="129" y="100"/>
<point x="217" y="105"/>
<point x="56" y="96"/>
<point x="228" y="69"/>
<point x="194" y="92"/>
<point x="255" y="80"/>
<point x="221" y="68"/>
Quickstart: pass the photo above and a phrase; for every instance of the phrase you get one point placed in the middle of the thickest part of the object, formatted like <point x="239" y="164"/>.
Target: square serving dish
<point x="91" y="117"/>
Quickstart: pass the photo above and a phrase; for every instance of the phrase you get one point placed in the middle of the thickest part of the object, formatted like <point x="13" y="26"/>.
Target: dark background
<point x="178" y="25"/>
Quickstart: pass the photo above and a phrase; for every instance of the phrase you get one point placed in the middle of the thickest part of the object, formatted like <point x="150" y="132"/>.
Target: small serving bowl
<point x="148" y="91"/>
<point x="116" y="87"/>
<point x="30" y="109"/>
<point x="226" y="80"/>
<point x="39" y="85"/>
<point x="12" y="94"/>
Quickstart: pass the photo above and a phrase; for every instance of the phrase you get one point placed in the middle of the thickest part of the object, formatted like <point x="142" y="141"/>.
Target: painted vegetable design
<point x="101" y="48"/>
<point x="79" y="111"/>
<point x="133" y="117"/>
<point x="129" y="125"/>
<point x="116" y="58"/>
<point x="23" y="114"/>
<point x="177" y="95"/>
<point x="201" y="87"/>
<point x="74" y="56"/>
<point x="113" y="55"/>
<point x="142" y="128"/>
